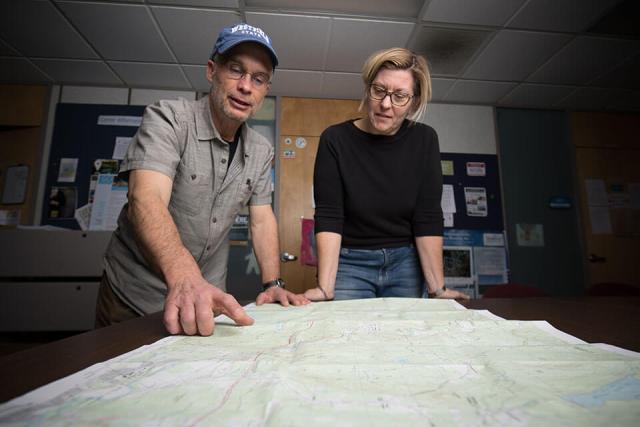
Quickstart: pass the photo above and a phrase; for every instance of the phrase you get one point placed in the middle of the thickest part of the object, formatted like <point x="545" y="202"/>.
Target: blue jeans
<point x="374" y="273"/>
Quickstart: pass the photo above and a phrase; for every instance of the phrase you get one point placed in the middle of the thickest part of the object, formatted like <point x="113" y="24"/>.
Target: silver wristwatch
<point x="438" y="292"/>
<point x="275" y="282"/>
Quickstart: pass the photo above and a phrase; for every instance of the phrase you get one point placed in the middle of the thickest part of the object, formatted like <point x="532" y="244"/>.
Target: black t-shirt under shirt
<point x="378" y="191"/>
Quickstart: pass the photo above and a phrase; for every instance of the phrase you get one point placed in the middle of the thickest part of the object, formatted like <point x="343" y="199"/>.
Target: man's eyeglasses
<point x="235" y="71"/>
<point x="379" y="93"/>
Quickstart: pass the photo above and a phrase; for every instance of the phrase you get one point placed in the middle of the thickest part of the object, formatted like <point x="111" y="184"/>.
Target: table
<point x="611" y="320"/>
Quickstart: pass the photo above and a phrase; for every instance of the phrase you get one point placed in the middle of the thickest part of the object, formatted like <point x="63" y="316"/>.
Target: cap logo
<point x="251" y="31"/>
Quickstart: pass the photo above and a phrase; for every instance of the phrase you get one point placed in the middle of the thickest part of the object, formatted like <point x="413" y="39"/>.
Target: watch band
<point x="275" y="282"/>
<point x="438" y="292"/>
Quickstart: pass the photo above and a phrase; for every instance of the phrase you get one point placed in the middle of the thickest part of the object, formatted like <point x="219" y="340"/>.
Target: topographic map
<point x="375" y="362"/>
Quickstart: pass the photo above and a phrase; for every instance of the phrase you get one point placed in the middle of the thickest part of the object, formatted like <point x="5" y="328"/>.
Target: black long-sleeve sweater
<point x="378" y="191"/>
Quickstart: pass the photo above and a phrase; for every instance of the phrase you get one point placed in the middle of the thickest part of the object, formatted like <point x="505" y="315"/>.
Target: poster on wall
<point x="240" y="228"/>
<point x="476" y="201"/>
<point x="15" y="185"/>
<point x="530" y="234"/>
<point x="308" y="243"/>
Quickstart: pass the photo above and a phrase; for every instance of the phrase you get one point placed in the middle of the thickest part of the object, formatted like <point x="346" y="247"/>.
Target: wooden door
<point x="302" y="120"/>
<point x="608" y="154"/>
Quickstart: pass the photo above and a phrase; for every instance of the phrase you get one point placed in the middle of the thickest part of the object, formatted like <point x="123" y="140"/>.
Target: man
<point x="192" y="167"/>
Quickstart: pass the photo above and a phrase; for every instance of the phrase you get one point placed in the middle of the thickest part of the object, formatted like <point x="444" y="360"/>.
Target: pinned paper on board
<point x="67" y="170"/>
<point x="476" y="201"/>
<point x="447" y="167"/>
<point x="476" y="169"/>
<point x="448" y="201"/>
<point x="121" y="146"/>
<point x="448" y="219"/>
<point x="105" y="120"/>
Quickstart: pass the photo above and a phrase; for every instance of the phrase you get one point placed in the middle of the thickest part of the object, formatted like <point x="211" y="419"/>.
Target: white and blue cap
<point x="241" y="33"/>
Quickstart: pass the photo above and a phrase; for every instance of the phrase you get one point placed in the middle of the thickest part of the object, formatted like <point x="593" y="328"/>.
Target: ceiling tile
<point x="36" y="28"/>
<point x="193" y="46"/>
<point x="197" y="77"/>
<point x="342" y="86"/>
<point x="448" y="50"/>
<point x="396" y="8"/>
<point x="586" y="98"/>
<point x="137" y="74"/>
<point x="78" y="71"/>
<point x="624" y="100"/>
<point x="19" y="70"/>
<point x="565" y="15"/>
<point x="106" y="1"/>
<point x="119" y="31"/>
<point x="6" y="50"/>
<point x="486" y="12"/>
<point x="353" y="40"/>
<point x="533" y="95"/>
<point x="626" y="75"/>
<point x="234" y="4"/>
<point x="477" y="92"/>
<point x="622" y="20"/>
<point x="513" y="55"/>
<point x="297" y="83"/>
<point x="300" y="41"/>
<point x="584" y="59"/>
<point x="440" y="87"/>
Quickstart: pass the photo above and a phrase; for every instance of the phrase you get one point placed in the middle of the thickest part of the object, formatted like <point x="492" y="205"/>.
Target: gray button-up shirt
<point x="178" y="139"/>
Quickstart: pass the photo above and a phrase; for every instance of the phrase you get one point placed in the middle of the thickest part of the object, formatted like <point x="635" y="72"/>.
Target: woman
<point x="377" y="187"/>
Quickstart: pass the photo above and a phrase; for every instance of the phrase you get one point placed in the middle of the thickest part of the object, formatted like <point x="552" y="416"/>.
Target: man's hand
<point x="191" y="306"/>
<point x="318" y="294"/>
<point x="284" y="297"/>
<point x="452" y="294"/>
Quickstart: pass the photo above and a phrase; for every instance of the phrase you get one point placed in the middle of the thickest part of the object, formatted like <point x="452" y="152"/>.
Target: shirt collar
<point x="206" y="130"/>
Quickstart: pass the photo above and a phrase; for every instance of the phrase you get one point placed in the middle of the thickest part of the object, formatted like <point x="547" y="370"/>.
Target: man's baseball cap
<point x="241" y="33"/>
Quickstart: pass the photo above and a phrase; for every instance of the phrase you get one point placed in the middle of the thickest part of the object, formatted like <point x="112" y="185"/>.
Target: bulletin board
<point x="77" y="135"/>
<point x="478" y="227"/>
<point x="482" y="173"/>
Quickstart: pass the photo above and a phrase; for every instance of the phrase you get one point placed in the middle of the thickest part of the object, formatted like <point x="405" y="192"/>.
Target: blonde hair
<point x="398" y="58"/>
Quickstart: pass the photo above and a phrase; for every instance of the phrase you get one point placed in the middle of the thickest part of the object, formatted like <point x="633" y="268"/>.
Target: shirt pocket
<point x="246" y="185"/>
<point x="189" y="192"/>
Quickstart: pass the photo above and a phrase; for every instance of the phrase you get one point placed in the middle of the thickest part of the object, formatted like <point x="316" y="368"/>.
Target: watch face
<point x="275" y="282"/>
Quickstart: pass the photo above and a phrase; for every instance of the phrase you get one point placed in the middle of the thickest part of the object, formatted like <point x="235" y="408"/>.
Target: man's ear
<point x="212" y="68"/>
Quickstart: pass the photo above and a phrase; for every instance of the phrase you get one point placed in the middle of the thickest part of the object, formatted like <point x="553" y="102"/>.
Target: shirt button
<point x="214" y="220"/>
<point x="209" y="248"/>
<point x="224" y="161"/>
<point x="194" y="176"/>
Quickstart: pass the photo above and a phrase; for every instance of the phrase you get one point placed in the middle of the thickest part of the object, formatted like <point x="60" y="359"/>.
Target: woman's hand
<point x="452" y="294"/>
<point x="318" y="294"/>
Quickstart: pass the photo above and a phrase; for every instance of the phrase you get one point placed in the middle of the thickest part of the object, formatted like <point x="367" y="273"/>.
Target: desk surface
<point x="611" y="320"/>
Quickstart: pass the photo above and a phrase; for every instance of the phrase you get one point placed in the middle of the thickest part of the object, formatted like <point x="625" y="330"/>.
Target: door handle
<point x="287" y="257"/>
<point x="596" y="258"/>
